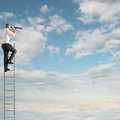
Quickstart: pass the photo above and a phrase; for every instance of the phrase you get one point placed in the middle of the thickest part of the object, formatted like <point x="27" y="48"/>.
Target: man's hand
<point x="13" y="28"/>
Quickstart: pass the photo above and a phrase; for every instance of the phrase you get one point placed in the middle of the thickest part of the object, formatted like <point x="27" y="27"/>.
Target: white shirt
<point x="6" y="35"/>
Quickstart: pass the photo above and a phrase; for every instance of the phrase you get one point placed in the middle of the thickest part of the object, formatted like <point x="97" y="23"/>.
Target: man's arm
<point x="14" y="30"/>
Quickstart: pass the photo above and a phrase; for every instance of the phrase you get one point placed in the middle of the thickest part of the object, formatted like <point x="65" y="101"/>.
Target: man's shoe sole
<point x="10" y="63"/>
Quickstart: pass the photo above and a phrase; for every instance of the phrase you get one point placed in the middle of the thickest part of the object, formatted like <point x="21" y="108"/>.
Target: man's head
<point x="8" y="26"/>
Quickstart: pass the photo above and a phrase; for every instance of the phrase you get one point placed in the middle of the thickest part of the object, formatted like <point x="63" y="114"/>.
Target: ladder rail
<point x="4" y="95"/>
<point x="13" y="83"/>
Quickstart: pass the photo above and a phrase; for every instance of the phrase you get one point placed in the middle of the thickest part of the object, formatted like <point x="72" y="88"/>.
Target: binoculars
<point x="16" y="27"/>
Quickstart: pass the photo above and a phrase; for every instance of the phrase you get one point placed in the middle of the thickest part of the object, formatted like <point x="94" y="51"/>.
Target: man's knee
<point x="15" y="51"/>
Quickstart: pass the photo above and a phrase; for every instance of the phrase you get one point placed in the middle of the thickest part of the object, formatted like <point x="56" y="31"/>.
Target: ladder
<point x="9" y="93"/>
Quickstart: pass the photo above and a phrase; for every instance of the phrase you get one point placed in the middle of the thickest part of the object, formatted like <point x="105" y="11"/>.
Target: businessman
<point x="6" y="46"/>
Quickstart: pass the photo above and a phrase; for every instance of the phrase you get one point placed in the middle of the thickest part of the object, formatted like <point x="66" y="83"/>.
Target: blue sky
<point x="67" y="59"/>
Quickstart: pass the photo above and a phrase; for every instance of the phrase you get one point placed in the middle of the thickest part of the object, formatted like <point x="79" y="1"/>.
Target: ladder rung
<point x="9" y="117"/>
<point x="9" y="90"/>
<point x="9" y="76"/>
<point x="9" y="83"/>
<point x="9" y="103"/>
<point x="9" y="110"/>
<point x="9" y="97"/>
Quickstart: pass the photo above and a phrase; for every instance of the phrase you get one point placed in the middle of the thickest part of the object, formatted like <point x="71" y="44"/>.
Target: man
<point x="6" y="46"/>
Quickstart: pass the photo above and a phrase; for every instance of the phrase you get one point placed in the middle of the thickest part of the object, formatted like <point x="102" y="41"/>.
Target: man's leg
<point x="13" y="50"/>
<point x="5" y="59"/>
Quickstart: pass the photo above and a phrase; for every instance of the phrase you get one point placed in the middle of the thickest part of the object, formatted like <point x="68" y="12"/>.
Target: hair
<point x="7" y="25"/>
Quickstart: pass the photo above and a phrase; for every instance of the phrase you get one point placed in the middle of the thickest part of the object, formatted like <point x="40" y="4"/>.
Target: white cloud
<point x="30" y="43"/>
<point x="115" y="55"/>
<point x="39" y="27"/>
<point x="35" y="20"/>
<point x="67" y="110"/>
<point x="112" y="44"/>
<point x="4" y="15"/>
<point x="39" y="83"/>
<point x="49" y="29"/>
<point x="91" y="118"/>
<point x="1" y="34"/>
<point x="86" y="42"/>
<point x="117" y="117"/>
<point x="22" y="21"/>
<point x="59" y="24"/>
<point x="8" y="14"/>
<point x="1" y="16"/>
<point x="82" y="54"/>
<point x="98" y="11"/>
<point x="100" y="71"/>
<point x="109" y="45"/>
<point x="28" y="11"/>
<point x="92" y="41"/>
<point x="53" y="50"/>
<point x="96" y="80"/>
<point x="77" y="1"/>
<point x="39" y="76"/>
<point x="44" y="9"/>
<point x="1" y="58"/>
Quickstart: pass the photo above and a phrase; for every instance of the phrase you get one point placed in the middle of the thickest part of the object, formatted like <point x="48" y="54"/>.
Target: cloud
<point x="99" y="79"/>
<point x="57" y="79"/>
<point x="28" y="11"/>
<point x="53" y="50"/>
<point x="39" y="28"/>
<point x="1" y="34"/>
<point x="4" y="15"/>
<point x="103" y="40"/>
<point x="77" y="1"/>
<point x="82" y="54"/>
<point x="71" y="110"/>
<point x="115" y="55"/>
<point x="30" y="43"/>
<point x="8" y="14"/>
<point x="91" y="118"/>
<point x="1" y="16"/>
<point x="39" y="83"/>
<point x="98" y="11"/>
<point x="59" y="24"/>
<point x="35" y="20"/>
<point x="94" y="41"/>
<point x="86" y="42"/>
<point x="100" y="71"/>
<point x="109" y="45"/>
<point x="45" y="9"/>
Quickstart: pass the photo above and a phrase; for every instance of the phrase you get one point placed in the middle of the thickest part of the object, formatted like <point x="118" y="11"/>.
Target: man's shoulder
<point x="8" y="31"/>
<point x="5" y="29"/>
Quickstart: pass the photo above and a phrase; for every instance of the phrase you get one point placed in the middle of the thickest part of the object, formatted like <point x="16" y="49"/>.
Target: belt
<point x="5" y="43"/>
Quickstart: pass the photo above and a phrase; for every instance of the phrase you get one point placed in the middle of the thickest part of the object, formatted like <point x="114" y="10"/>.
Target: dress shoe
<point x="7" y="69"/>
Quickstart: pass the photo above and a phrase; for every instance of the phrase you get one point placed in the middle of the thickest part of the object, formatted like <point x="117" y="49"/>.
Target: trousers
<point x="6" y="48"/>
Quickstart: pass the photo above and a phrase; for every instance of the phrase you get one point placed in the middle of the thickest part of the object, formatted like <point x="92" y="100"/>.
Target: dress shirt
<point x="6" y="35"/>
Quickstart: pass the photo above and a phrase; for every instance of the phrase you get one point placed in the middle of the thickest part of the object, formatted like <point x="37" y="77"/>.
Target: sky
<point x="67" y="61"/>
